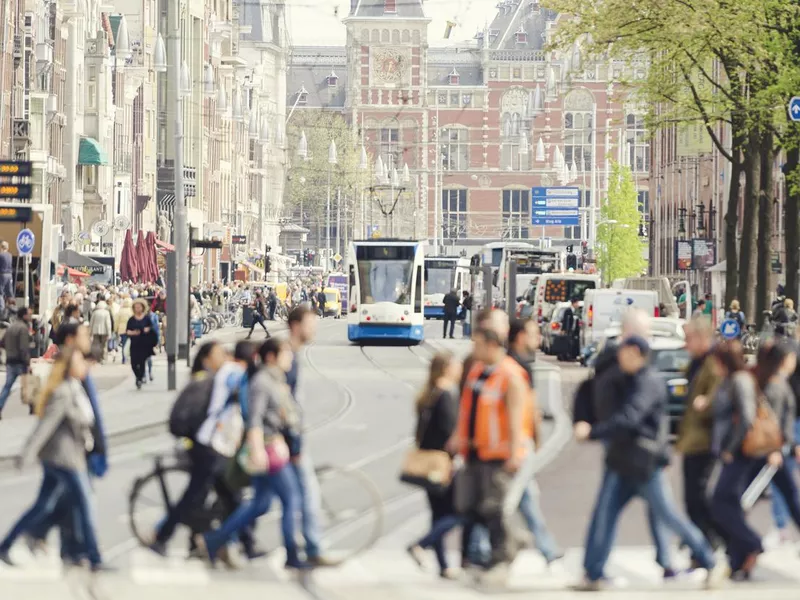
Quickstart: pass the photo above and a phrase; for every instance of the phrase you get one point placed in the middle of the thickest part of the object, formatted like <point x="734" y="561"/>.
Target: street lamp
<point x="331" y="162"/>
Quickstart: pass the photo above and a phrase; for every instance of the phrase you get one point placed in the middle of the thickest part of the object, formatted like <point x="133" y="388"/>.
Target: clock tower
<point x="386" y="53"/>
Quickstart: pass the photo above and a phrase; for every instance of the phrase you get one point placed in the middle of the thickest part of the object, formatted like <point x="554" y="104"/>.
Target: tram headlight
<point x="405" y="312"/>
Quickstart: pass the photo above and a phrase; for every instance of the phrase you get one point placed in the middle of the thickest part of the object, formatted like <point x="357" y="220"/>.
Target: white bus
<point x="530" y="261"/>
<point x="442" y="275"/>
<point x="386" y="291"/>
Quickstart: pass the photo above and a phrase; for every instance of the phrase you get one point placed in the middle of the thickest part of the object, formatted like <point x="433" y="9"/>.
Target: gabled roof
<point x="520" y="15"/>
<point x="404" y="9"/>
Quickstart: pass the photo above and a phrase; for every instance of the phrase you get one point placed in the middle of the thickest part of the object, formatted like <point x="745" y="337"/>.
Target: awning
<point x="90" y="152"/>
<point x="70" y="272"/>
<point x="165" y="246"/>
<point x="75" y="260"/>
<point x="252" y="267"/>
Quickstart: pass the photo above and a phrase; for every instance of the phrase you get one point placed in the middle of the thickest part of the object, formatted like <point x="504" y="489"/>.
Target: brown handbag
<point x="764" y="435"/>
<point x="428" y="469"/>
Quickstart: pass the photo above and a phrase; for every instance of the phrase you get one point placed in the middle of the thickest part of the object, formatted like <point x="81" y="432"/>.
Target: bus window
<point x="418" y="291"/>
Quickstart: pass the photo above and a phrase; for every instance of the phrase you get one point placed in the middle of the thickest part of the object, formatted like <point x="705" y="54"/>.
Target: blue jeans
<point x="51" y="490"/>
<point x="615" y="493"/>
<point x="435" y="538"/>
<point x="284" y="484"/>
<point x="13" y="370"/>
<point x="780" y="510"/>
<point x="308" y="487"/>
<point x="123" y="339"/>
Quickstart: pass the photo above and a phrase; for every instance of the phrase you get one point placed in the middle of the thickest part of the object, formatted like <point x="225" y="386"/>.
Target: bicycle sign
<point x="730" y="329"/>
<point x="25" y="241"/>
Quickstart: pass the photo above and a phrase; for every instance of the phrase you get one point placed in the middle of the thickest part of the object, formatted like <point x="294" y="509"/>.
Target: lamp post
<point x="331" y="161"/>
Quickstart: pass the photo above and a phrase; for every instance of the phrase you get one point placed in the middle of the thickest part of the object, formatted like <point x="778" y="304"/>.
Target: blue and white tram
<point x="386" y="283"/>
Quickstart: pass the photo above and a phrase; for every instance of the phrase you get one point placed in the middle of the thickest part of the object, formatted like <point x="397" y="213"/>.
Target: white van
<point x="603" y="308"/>
<point x="553" y="288"/>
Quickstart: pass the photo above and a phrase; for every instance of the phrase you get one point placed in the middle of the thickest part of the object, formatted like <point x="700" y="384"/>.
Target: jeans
<point x="697" y="469"/>
<point x="206" y="463"/>
<point x="308" y="488"/>
<point x="123" y="339"/>
<point x="780" y="510"/>
<point x="13" y="370"/>
<point x="726" y="504"/>
<point x="451" y="320"/>
<point x="435" y="537"/>
<point x="80" y="488"/>
<point x="51" y="490"/>
<point x="138" y="367"/>
<point x="284" y="484"/>
<point x="532" y="513"/>
<point x="615" y="493"/>
<point x="150" y="367"/>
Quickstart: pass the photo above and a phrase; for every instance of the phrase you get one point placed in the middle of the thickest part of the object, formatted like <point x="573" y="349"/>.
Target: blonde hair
<point x="735" y="306"/>
<point x="439" y="364"/>
<point x="58" y="374"/>
<point x="788" y="303"/>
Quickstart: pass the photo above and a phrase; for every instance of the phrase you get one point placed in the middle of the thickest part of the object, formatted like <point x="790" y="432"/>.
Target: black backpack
<point x="191" y="407"/>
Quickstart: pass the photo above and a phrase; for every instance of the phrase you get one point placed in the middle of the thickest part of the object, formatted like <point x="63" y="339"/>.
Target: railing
<point x="518" y="55"/>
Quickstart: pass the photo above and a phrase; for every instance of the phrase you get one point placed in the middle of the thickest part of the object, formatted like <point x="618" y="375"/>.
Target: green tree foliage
<point x="619" y="248"/>
<point x="308" y="178"/>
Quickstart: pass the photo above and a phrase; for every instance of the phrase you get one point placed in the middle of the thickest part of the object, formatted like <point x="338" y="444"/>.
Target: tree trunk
<point x="792" y="208"/>
<point x="747" y="251"/>
<point x="732" y="215"/>
<point x="765" y="222"/>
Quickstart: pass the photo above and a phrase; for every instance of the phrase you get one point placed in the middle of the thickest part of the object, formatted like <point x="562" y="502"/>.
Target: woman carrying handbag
<point x="265" y="455"/>
<point x="429" y="465"/>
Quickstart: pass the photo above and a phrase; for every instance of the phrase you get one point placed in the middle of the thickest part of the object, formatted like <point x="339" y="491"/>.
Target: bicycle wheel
<point x="351" y="515"/>
<point x="147" y="503"/>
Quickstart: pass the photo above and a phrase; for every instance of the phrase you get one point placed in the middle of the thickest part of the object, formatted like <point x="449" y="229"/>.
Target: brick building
<point x="473" y="126"/>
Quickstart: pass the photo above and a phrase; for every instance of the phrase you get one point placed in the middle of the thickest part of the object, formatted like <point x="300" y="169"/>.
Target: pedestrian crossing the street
<point x="630" y="568"/>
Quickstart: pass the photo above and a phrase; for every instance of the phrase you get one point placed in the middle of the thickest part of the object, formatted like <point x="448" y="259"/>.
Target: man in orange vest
<point x="490" y="437"/>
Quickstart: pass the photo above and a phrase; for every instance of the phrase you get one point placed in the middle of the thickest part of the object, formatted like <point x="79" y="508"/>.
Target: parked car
<point x="554" y="340"/>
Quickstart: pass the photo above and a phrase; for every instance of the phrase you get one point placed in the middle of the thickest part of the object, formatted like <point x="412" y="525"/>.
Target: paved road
<point x="358" y="408"/>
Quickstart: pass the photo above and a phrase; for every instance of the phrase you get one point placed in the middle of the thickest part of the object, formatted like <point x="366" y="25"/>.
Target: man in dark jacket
<point x="17" y="342"/>
<point x="451" y="304"/>
<point x="569" y="328"/>
<point x="637" y="448"/>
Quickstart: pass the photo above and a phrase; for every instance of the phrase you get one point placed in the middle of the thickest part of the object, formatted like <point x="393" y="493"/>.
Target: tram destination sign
<point x="16" y="214"/>
<point x="555" y="206"/>
<point x="17" y="191"/>
<point x="9" y="168"/>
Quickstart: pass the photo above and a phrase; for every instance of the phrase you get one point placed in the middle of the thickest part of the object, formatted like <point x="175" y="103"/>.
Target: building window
<point x="511" y="159"/>
<point x="454" y="214"/>
<point x="454" y="77"/>
<point x="467" y="99"/>
<point x="638" y="146"/>
<point x="302" y="96"/>
<point x="390" y="147"/>
<point x="455" y="149"/>
<point x="578" y="140"/>
<point x="644" y="202"/>
<point x="521" y="36"/>
<point x="516" y="214"/>
<point x="332" y="80"/>
<point x="390" y="6"/>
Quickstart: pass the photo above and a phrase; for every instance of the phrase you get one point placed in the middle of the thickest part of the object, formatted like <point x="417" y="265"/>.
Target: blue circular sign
<point x="730" y="329"/>
<point x="25" y="241"/>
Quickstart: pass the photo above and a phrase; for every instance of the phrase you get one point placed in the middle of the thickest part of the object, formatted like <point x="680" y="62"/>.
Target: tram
<point x="443" y="274"/>
<point x="386" y="291"/>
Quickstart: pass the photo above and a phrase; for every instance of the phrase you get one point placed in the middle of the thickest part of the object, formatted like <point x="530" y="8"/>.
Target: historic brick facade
<point x="504" y="111"/>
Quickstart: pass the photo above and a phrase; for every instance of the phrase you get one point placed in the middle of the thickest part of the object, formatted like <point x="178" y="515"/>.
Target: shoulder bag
<point x="764" y="435"/>
<point x="431" y="470"/>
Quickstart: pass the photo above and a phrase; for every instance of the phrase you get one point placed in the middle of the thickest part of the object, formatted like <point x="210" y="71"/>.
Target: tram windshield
<point x="439" y="275"/>
<point x="384" y="273"/>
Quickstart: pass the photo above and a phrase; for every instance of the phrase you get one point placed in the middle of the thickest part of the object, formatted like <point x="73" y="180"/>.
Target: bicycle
<point x="336" y="484"/>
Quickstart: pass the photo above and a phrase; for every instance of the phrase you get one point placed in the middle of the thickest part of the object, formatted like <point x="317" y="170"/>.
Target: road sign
<point x="337" y="257"/>
<point x="555" y="206"/>
<point x="25" y="241"/>
<point x="794" y="108"/>
<point x="10" y="168"/>
<point x="16" y="214"/>
<point x="238" y="239"/>
<point x="208" y="244"/>
<point x="730" y="329"/>
<point x="18" y="191"/>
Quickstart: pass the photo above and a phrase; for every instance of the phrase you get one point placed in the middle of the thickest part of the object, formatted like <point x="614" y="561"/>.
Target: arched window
<point x="454" y="144"/>
<point x="514" y="152"/>
<point x="578" y="137"/>
<point x="516" y="214"/>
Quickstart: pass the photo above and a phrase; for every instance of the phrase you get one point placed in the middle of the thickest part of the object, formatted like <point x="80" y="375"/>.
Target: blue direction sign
<point x="25" y="241"/>
<point x="794" y="108"/>
<point x="555" y="206"/>
<point x="730" y="329"/>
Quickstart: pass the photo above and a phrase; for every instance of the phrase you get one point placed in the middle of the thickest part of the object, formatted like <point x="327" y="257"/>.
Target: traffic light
<point x="572" y="261"/>
<point x="267" y="264"/>
<point x="569" y="249"/>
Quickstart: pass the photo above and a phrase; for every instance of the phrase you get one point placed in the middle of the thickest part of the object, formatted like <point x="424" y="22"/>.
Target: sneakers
<point x="717" y="575"/>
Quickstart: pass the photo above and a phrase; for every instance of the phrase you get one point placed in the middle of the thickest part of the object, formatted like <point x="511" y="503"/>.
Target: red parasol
<point x="73" y="273"/>
<point x="141" y="259"/>
<point x="128" y="265"/>
<point x="151" y="250"/>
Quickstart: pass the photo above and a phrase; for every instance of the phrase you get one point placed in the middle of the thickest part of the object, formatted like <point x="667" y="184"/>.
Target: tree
<point x="619" y="247"/>
<point x="308" y="177"/>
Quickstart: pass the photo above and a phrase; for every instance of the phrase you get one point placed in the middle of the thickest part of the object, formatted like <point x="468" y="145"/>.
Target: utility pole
<point x="180" y="226"/>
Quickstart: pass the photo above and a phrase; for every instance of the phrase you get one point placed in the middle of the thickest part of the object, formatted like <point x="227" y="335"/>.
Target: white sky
<point x="314" y="22"/>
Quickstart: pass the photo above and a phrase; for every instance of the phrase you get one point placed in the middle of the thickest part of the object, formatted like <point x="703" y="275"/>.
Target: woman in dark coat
<point x="143" y="339"/>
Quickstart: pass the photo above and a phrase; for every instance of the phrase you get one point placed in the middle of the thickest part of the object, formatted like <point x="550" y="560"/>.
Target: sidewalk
<point x="129" y="414"/>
